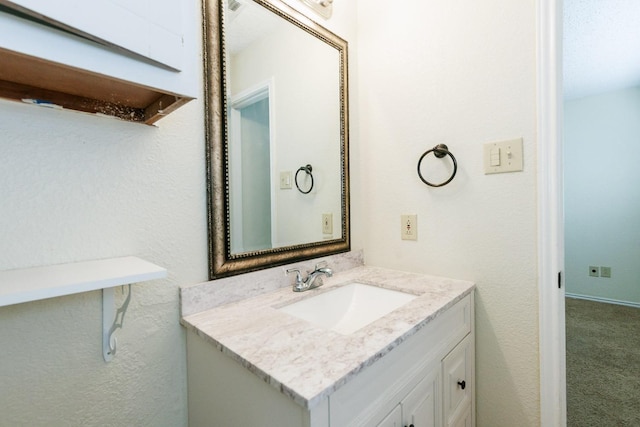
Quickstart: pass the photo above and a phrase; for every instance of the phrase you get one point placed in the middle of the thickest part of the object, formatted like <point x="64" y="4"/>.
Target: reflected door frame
<point x="243" y="99"/>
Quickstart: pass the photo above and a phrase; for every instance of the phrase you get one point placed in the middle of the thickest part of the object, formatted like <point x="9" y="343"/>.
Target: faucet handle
<point x="322" y="267"/>
<point x="321" y="264"/>
<point x="298" y="274"/>
<point x="300" y="284"/>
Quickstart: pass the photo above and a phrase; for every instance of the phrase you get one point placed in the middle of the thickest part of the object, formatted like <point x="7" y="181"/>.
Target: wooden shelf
<point x="26" y="77"/>
<point x="31" y="284"/>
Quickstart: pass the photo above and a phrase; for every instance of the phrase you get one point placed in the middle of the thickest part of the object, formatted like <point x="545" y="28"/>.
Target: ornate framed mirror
<point x="276" y="120"/>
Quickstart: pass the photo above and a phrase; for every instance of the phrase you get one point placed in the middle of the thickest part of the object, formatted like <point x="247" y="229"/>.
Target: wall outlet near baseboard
<point x="594" y="271"/>
<point x="605" y="272"/>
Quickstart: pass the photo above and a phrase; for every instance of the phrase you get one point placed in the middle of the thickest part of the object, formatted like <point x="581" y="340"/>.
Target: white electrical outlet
<point x="409" y="227"/>
<point x="327" y="223"/>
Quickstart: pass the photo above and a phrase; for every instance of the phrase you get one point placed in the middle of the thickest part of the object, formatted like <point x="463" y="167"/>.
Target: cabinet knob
<point x="462" y="384"/>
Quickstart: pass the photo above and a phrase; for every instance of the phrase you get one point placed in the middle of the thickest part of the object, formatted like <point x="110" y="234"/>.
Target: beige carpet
<point x="603" y="364"/>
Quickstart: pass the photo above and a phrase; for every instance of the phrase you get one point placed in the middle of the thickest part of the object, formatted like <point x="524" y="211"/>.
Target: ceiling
<point x="601" y="46"/>
<point x="248" y="23"/>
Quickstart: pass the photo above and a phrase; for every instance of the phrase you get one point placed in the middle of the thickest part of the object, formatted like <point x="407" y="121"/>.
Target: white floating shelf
<point x="31" y="284"/>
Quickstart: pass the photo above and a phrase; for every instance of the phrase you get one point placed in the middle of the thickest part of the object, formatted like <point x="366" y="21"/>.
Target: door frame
<point x="552" y="344"/>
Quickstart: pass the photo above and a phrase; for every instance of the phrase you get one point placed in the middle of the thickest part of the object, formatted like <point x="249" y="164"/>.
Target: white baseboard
<point x="605" y="300"/>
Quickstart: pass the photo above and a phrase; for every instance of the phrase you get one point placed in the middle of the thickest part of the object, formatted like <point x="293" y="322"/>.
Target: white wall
<point x="78" y="187"/>
<point x="307" y="126"/>
<point x="602" y="196"/>
<point x="462" y="73"/>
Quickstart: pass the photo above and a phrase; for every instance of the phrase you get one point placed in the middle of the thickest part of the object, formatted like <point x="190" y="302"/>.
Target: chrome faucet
<point x="314" y="278"/>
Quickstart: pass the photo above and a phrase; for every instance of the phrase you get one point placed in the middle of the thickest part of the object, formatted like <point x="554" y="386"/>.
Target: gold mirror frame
<point x="222" y="262"/>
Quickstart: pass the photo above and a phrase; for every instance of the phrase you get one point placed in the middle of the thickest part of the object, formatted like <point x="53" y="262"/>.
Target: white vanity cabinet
<point x="412" y="379"/>
<point x="418" y="408"/>
<point x="133" y="59"/>
<point x="426" y="380"/>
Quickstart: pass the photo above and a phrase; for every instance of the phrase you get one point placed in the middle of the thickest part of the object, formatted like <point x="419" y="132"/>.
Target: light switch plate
<point x="503" y="156"/>
<point x="285" y="180"/>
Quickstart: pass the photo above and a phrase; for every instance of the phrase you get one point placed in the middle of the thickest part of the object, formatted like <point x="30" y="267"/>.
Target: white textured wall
<point x="463" y="73"/>
<point x="77" y="187"/>
<point x="602" y="197"/>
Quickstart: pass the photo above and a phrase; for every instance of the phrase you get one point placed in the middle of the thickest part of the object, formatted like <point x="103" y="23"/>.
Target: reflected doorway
<point x="250" y="158"/>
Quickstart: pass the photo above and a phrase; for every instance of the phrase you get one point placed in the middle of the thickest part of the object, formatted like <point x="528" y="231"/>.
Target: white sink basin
<point x="348" y="308"/>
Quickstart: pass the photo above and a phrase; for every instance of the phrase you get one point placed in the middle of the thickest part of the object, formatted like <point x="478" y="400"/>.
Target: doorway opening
<point x="250" y="164"/>
<point x="600" y="106"/>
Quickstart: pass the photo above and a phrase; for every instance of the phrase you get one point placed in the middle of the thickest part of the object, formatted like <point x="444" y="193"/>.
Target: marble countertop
<point x="308" y="363"/>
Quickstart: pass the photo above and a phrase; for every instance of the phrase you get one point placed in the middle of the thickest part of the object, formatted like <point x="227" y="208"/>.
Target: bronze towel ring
<point x="439" y="151"/>
<point x="308" y="170"/>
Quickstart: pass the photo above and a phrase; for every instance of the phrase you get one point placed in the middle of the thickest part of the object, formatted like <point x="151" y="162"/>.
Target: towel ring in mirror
<point x="308" y="169"/>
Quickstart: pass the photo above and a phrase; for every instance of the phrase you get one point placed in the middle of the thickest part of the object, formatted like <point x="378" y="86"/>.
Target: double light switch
<point x="504" y="156"/>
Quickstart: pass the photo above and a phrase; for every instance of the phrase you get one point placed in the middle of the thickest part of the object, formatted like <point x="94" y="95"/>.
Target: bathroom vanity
<point x="250" y="363"/>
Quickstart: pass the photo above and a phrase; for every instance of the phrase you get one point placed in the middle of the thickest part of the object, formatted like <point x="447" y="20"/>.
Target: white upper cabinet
<point x="152" y="30"/>
<point x="141" y="55"/>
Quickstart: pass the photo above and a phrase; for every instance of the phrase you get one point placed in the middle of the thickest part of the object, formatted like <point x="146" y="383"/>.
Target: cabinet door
<point x="148" y="45"/>
<point x="458" y="380"/>
<point x="394" y="419"/>
<point x="420" y="407"/>
<point x="464" y="419"/>
<point x="151" y="30"/>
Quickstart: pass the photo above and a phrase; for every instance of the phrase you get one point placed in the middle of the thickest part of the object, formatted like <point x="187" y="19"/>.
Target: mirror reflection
<point x="277" y="136"/>
<point x="283" y="114"/>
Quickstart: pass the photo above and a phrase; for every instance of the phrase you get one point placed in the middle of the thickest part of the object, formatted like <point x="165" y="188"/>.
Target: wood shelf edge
<point x="60" y="86"/>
